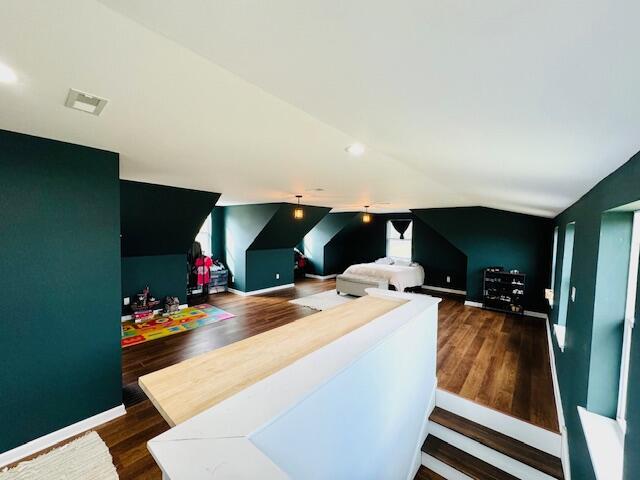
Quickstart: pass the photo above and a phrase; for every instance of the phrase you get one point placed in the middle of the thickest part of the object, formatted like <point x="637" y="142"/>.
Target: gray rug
<point x="323" y="300"/>
<point x="85" y="458"/>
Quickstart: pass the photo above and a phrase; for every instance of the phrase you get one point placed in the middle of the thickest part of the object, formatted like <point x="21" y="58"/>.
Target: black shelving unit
<point x="503" y="291"/>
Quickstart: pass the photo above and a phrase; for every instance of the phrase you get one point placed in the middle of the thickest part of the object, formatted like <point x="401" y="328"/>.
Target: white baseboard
<point x="469" y="303"/>
<point x="261" y="291"/>
<point x="321" y="277"/>
<point x="183" y="306"/>
<point x="532" y="435"/>
<point x="527" y="313"/>
<point x="487" y="454"/>
<point x="556" y="392"/>
<point x="46" y="441"/>
<point x="444" y="290"/>
<point x="442" y="468"/>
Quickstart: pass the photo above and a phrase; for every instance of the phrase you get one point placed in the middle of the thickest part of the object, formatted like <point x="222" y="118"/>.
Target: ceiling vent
<point x="85" y="102"/>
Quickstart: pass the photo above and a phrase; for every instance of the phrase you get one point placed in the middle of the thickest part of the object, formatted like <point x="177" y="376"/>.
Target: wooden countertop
<point x="188" y="388"/>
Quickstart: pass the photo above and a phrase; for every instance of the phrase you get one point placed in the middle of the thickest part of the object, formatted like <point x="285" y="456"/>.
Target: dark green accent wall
<point x="342" y="239"/>
<point x="60" y="261"/>
<point x="263" y="265"/>
<point x="315" y="242"/>
<point x="271" y="230"/>
<point x="217" y="233"/>
<point x="166" y="275"/>
<point x="158" y="226"/>
<point x="490" y="237"/>
<point x="609" y="311"/>
<point x="161" y="220"/>
<point x="283" y="230"/>
<point x="439" y="257"/>
<point x="579" y="360"/>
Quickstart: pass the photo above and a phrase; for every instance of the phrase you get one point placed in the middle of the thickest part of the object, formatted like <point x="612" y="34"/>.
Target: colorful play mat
<point x="187" y="319"/>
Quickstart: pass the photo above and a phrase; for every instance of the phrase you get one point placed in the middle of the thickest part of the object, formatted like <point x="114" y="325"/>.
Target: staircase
<point x="458" y="448"/>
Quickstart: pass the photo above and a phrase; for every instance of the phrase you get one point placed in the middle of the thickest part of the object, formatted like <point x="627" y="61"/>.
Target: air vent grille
<point x="85" y="102"/>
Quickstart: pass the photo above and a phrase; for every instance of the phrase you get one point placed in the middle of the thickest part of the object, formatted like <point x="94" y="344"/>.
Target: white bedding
<point x="399" y="276"/>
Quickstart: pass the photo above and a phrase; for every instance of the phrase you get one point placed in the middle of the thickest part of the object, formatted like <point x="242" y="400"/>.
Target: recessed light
<point x="85" y="102"/>
<point x="355" y="149"/>
<point x="7" y="75"/>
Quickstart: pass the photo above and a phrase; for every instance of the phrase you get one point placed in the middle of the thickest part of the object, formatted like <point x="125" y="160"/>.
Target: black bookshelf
<point x="503" y="291"/>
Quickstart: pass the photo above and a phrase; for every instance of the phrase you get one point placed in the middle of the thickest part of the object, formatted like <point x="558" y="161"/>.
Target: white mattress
<point x="399" y="276"/>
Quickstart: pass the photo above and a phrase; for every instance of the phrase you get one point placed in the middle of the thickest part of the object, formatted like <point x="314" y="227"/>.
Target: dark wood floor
<point x="497" y="360"/>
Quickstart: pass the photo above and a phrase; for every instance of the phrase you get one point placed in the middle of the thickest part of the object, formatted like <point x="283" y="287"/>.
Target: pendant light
<point x="366" y="216"/>
<point x="298" y="212"/>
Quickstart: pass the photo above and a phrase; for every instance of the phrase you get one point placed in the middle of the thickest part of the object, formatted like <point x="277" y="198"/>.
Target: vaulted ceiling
<point x="509" y="104"/>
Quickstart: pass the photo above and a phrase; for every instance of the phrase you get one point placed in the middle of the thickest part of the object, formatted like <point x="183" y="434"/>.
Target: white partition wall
<point x="354" y="409"/>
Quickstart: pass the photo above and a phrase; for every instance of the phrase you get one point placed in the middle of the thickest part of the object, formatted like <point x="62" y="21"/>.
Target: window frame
<point x="388" y="238"/>
<point x="629" y="322"/>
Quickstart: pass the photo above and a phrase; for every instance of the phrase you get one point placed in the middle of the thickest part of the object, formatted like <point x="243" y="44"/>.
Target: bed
<point x="400" y="276"/>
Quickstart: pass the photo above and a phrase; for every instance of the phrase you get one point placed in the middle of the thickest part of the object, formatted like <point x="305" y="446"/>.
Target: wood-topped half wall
<point x="183" y="390"/>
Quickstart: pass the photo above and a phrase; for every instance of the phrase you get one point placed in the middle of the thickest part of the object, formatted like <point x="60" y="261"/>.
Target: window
<point x="565" y="285"/>
<point x="204" y="237"/>
<point x="554" y="261"/>
<point x="399" y="235"/>
<point x="629" y="318"/>
<point x="565" y="278"/>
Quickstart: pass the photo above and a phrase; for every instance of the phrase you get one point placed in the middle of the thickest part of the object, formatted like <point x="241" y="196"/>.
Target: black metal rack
<point x="503" y="291"/>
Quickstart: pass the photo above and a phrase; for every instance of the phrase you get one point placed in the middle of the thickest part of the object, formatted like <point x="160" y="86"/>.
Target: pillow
<point x="384" y="261"/>
<point x="401" y="262"/>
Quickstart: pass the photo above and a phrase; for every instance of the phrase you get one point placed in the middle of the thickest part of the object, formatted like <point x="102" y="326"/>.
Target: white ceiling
<point x="510" y="104"/>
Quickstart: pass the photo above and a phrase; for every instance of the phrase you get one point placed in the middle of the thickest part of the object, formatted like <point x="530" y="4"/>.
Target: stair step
<point x="462" y="461"/>
<point x="425" y="474"/>
<point x="504" y="444"/>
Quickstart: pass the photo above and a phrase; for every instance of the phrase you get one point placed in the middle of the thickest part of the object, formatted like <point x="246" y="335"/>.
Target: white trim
<point x="442" y="468"/>
<point x="532" y="435"/>
<point x="320" y="277"/>
<point x="46" y="441"/>
<point x="183" y="306"/>
<point x="528" y="313"/>
<point x="564" y="451"/>
<point x="487" y="454"/>
<point x="469" y="303"/>
<point x="560" y="332"/>
<point x="605" y="442"/>
<point x="261" y="291"/>
<point x="445" y="290"/>
<point x="629" y="321"/>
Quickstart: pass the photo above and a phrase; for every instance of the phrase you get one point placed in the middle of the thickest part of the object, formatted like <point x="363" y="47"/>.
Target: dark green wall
<point x="315" y="242"/>
<point x="577" y="366"/>
<point x="263" y="265"/>
<point x="491" y="237"/>
<point x="161" y="220"/>
<point x="60" y="258"/>
<point x="158" y="226"/>
<point x="342" y="239"/>
<point x="269" y="229"/>
<point x="166" y="275"/>
<point x="439" y="258"/>
<point x="217" y="233"/>
<point x="283" y="230"/>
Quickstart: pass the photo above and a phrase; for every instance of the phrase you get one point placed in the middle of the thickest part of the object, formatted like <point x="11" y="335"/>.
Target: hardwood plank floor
<point x="494" y="359"/>
<point x="497" y="360"/>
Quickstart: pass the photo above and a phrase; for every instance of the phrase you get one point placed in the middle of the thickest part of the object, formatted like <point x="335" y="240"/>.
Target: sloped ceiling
<point x="283" y="231"/>
<point x="516" y="105"/>
<point x="160" y="220"/>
